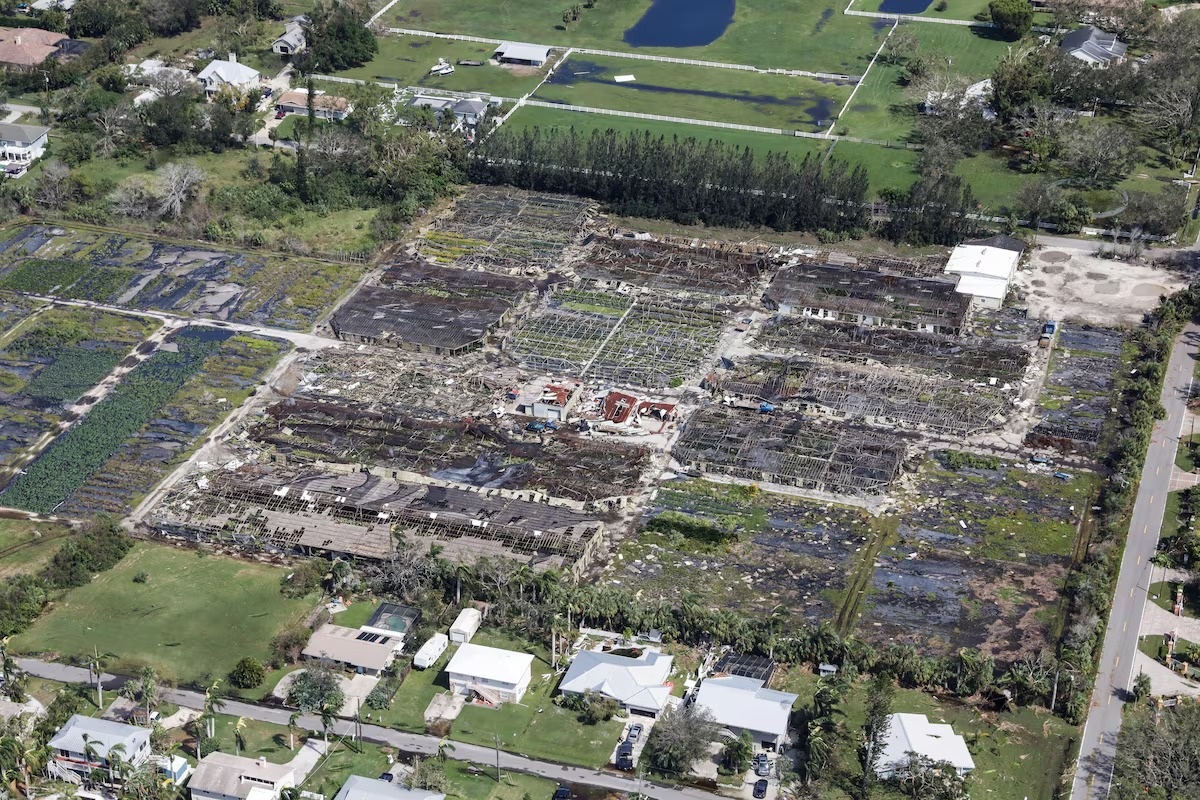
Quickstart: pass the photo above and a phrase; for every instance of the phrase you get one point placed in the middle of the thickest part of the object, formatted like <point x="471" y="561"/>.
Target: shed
<point x="431" y="651"/>
<point x="529" y="55"/>
<point x="465" y="625"/>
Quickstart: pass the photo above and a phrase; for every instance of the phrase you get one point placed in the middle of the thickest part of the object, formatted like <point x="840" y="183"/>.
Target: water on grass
<point x="903" y="6"/>
<point x="681" y="23"/>
<point x="813" y="109"/>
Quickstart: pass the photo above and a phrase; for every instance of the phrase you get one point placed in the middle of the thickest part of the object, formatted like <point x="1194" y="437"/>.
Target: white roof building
<point x="431" y="651"/>
<point x="984" y="272"/>
<point x="73" y="741"/>
<point x="519" y="53"/>
<point x="916" y="734"/>
<point x="219" y="74"/>
<point x="494" y="675"/>
<point x="638" y="684"/>
<point x="465" y="625"/>
<point x="745" y="704"/>
<point x="357" y="787"/>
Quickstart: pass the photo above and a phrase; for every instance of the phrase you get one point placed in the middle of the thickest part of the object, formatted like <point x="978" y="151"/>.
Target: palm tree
<point x="326" y="720"/>
<point x="213" y="703"/>
<point x="444" y="747"/>
<point x="239" y="736"/>
<point x="96" y="663"/>
<point x="90" y="754"/>
<point x="293" y="726"/>
<point x="820" y="747"/>
<point x="20" y="753"/>
<point x="116" y="761"/>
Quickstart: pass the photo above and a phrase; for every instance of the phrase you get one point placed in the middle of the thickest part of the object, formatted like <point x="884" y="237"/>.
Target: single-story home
<point x="465" y="625"/>
<point x="362" y="651"/>
<point x="29" y="47"/>
<point x="49" y="5"/>
<point x="222" y="776"/>
<point x="21" y="145"/>
<point x="357" y="787"/>
<point x="468" y="112"/>
<point x="84" y="743"/>
<point x="914" y="733"/>
<point x="489" y="673"/>
<point x="220" y="74"/>
<point x="984" y="272"/>
<point x="325" y="106"/>
<point x="525" y="55"/>
<point x="1094" y="47"/>
<point x="638" y="684"/>
<point x="745" y="704"/>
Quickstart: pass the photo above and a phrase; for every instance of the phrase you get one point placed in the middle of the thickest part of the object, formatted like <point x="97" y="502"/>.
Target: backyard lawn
<point x="344" y="760"/>
<point x="691" y="92"/>
<point x="194" y="615"/>
<point x="262" y="739"/>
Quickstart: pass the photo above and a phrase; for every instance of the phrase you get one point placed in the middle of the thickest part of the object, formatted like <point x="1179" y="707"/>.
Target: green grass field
<point x="406" y="60"/>
<point x="195" y="616"/>
<point x="32" y="544"/>
<point x="681" y="90"/>
<point x="764" y="33"/>
<point x="955" y="9"/>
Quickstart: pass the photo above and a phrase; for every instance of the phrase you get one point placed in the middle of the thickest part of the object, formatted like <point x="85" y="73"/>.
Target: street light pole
<point x="496" y="739"/>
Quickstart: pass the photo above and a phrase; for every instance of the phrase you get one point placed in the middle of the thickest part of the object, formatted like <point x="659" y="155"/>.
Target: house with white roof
<point x="490" y="674"/>
<point x="985" y="269"/>
<point x="86" y="744"/>
<point x="357" y="787"/>
<point x="230" y="74"/>
<point x="914" y="733"/>
<point x="639" y="684"/>
<point x="222" y="776"/>
<point x="292" y="40"/>
<point x="746" y="704"/>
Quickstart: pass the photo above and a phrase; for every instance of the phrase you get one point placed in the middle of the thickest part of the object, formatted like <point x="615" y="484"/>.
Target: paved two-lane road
<point x="483" y="757"/>
<point x="1093" y="775"/>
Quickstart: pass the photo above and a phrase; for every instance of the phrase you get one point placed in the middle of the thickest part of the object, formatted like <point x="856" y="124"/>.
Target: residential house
<point x="984" y="271"/>
<point x="640" y="684"/>
<point x="467" y="112"/>
<point x="746" y="704"/>
<point x="490" y="674"/>
<point x="20" y="146"/>
<point x="292" y="41"/>
<point x="87" y="744"/>
<point x="363" y="651"/>
<point x="230" y="74"/>
<point x="525" y="55"/>
<point x="221" y="776"/>
<point x="49" y="5"/>
<point x="325" y="106"/>
<point x="914" y="733"/>
<point x="1094" y="47"/>
<point x="29" y="47"/>
<point x="357" y="787"/>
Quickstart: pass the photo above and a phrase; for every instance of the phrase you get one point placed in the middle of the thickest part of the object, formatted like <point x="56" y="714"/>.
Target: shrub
<point x="942" y="5"/>
<point x="247" y="673"/>
<point x="141" y="577"/>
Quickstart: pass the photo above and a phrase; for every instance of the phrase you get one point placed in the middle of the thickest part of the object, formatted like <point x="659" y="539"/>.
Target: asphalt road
<point x="1093" y="775"/>
<point x="483" y="757"/>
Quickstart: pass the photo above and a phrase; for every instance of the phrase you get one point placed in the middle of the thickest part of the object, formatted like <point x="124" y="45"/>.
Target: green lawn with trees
<point x="192" y="618"/>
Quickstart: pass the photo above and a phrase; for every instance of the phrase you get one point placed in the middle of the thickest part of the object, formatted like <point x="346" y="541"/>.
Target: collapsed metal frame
<point x="971" y="359"/>
<point x="655" y="342"/>
<point x="790" y="450"/>
<point x="506" y="230"/>
<point x="672" y="268"/>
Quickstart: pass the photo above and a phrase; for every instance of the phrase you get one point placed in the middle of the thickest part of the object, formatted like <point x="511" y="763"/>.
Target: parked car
<point x="268" y="91"/>
<point x="387" y="777"/>
<point x="562" y="793"/>
<point x="762" y="765"/>
<point x="280" y="114"/>
<point x="635" y="733"/>
<point x="760" y="790"/>
<point x="625" y="755"/>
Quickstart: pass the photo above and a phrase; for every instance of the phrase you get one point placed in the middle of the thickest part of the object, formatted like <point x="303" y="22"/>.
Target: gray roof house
<point x="20" y="146"/>
<point x="223" y="776"/>
<point x="638" y="684"/>
<point x="1094" y="47"/>
<point x="81" y="734"/>
<point x="357" y="787"/>
<point x="293" y="40"/>
<point x="745" y="704"/>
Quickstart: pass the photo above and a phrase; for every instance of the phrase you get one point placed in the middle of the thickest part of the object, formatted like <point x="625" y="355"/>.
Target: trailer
<point x="431" y="651"/>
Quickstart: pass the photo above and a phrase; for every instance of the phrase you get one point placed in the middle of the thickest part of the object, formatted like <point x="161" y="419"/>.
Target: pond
<point x="904" y="6"/>
<point x="681" y="23"/>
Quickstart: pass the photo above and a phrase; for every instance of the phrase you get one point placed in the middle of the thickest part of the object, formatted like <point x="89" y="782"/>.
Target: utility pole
<point x="496" y="739"/>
